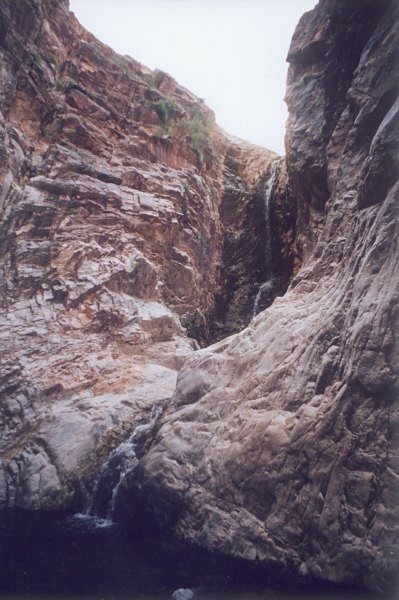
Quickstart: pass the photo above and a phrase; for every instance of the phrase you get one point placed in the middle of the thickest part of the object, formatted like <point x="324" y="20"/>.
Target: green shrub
<point x="64" y="85"/>
<point x="193" y="329"/>
<point x="149" y="78"/>
<point x="37" y="57"/>
<point x="47" y="56"/>
<point x="50" y="58"/>
<point x="198" y="130"/>
<point x="304" y="80"/>
<point x="214" y="196"/>
<point x="164" y="109"/>
<point x="121" y="64"/>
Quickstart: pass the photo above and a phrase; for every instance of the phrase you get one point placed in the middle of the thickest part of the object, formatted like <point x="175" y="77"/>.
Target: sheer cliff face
<point x="281" y="442"/>
<point x="117" y="239"/>
<point x="110" y="237"/>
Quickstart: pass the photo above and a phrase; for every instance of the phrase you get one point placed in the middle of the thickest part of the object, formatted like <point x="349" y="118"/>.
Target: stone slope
<point x="111" y="178"/>
<point x="281" y="442"/>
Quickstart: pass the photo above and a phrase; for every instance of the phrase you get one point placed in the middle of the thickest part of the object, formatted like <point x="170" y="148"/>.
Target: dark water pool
<point x="86" y="559"/>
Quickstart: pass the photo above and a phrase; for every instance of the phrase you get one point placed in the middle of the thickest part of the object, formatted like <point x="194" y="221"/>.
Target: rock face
<point x="243" y="248"/>
<point x="281" y="442"/>
<point x="111" y="246"/>
<point x="130" y="224"/>
<point x="259" y="252"/>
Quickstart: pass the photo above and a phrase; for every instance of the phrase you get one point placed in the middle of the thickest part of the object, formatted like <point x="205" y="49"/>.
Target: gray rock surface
<point x="278" y="444"/>
<point x="281" y="444"/>
<point x="110" y="240"/>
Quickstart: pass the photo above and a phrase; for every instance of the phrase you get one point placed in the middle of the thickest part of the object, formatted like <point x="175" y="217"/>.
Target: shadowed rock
<point x="281" y="442"/>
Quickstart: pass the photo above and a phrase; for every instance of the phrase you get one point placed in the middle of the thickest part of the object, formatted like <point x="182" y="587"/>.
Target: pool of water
<point x="86" y="558"/>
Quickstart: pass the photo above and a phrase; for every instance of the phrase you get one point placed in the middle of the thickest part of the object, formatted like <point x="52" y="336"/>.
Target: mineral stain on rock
<point x="133" y="234"/>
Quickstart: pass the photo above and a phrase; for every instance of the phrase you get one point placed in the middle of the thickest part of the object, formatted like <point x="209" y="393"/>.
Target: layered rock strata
<point x="281" y="442"/>
<point x="118" y="245"/>
<point x="110" y="234"/>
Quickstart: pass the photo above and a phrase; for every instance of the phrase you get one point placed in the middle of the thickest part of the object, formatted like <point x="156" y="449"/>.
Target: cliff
<point x="111" y="247"/>
<point x="131" y="224"/>
<point x="280" y="444"/>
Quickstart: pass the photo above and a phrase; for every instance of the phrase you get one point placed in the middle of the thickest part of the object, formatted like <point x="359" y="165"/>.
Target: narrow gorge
<point x="198" y="337"/>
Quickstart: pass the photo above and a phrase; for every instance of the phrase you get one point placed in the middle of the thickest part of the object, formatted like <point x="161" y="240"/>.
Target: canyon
<point x="157" y="270"/>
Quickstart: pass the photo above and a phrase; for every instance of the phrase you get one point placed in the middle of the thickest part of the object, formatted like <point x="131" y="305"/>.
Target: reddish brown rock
<point x="117" y="239"/>
<point x="110" y="233"/>
<point x="281" y="442"/>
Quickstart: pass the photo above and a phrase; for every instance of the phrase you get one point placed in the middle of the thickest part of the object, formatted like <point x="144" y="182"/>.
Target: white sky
<point x="229" y="52"/>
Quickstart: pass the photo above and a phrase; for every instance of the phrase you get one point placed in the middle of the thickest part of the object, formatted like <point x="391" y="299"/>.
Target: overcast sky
<point x="229" y="52"/>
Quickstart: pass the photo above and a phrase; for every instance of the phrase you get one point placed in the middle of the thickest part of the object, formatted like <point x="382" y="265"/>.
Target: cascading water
<point x="267" y="286"/>
<point x="122" y="460"/>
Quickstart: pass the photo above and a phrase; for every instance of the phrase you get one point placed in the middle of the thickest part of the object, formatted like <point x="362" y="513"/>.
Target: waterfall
<point x="267" y="286"/>
<point x="120" y="462"/>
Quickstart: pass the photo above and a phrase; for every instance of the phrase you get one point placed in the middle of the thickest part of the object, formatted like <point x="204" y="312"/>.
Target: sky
<point x="231" y="53"/>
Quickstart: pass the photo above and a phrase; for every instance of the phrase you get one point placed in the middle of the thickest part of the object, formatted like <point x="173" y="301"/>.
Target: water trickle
<point x="268" y="285"/>
<point x="121" y="461"/>
<point x="266" y="288"/>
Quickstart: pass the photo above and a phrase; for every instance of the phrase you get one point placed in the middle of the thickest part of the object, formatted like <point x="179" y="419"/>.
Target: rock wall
<point x="243" y="229"/>
<point x="281" y="442"/>
<point x="129" y="223"/>
<point x="111" y="247"/>
<point x="257" y="248"/>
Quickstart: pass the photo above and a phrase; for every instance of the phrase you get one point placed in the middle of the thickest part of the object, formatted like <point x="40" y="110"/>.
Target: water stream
<point x="90" y="557"/>
<point x="100" y="509"/>
<point x="268" y="285"/>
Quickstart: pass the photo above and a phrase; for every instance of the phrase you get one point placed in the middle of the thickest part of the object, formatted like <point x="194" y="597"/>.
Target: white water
<point x="120" y="462"/>
<point x="89" y="522"/>
<point x="267" y="285"/>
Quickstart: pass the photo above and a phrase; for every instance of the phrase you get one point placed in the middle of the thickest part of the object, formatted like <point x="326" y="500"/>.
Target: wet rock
<point x="257" y="247"/>
<point x="280" y="443"/>
<point x="110" y="243"/>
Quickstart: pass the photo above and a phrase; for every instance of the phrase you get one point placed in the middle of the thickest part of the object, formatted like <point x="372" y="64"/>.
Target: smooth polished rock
<point x="280" y="444"/>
